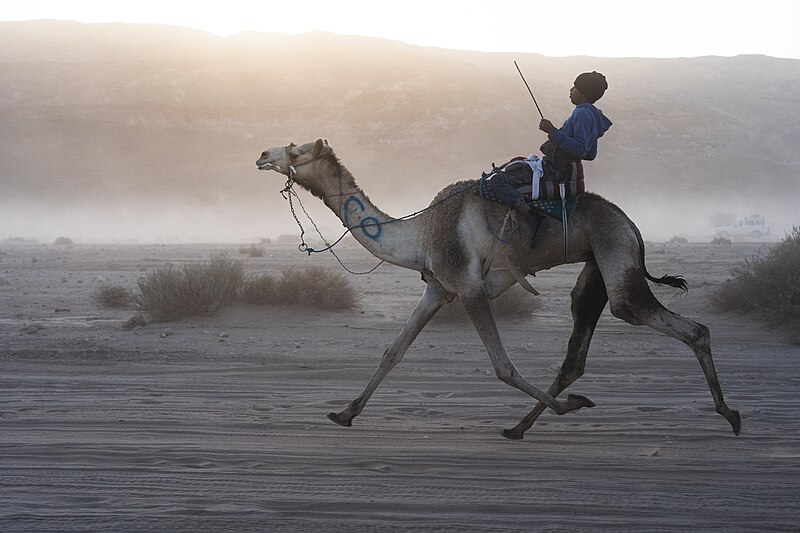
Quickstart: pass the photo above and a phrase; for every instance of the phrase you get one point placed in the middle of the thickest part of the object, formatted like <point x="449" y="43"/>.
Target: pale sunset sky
<point x="606" y="28"/>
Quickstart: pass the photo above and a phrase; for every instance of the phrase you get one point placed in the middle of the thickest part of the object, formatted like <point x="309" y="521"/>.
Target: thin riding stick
<point x="529" y="90"/>
<point x="561" y="186"/>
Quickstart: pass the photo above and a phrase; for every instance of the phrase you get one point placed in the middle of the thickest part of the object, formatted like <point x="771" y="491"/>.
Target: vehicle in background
<point x="753" y="226"/>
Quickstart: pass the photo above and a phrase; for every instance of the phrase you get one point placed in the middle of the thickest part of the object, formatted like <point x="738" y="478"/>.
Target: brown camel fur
<point x="456" y="252"/>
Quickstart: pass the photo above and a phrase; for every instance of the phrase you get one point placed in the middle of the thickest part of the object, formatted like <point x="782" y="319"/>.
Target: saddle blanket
<point x="550" y="208"/>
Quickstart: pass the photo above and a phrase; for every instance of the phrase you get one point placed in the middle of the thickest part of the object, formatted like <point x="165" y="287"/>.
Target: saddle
<point x="548" y="208"/>
<point x="558" y="197"/>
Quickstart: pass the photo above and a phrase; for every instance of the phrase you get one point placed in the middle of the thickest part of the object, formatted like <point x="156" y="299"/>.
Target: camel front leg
<point x="477" y="307"/>
<point x="434" y="297"/>
<point x="588" y="300"/>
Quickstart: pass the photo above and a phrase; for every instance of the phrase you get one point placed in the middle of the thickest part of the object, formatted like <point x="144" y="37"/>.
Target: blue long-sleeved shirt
<point x="579" y="133"/>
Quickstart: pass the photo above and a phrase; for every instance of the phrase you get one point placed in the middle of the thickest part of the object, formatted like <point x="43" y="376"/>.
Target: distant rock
<point x="32" y="328"/>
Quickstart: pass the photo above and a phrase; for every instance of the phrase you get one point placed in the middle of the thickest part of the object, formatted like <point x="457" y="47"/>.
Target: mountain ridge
<point x="139" y="114"/>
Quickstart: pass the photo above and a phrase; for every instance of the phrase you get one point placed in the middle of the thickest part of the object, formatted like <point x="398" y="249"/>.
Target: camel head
<point x="296" y="162"/>
<point x="283" y="158"/>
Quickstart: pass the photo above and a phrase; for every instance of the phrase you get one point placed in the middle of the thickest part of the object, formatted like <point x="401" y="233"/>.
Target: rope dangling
<point x="562" y="190"/>
<point x="287" y="192"/>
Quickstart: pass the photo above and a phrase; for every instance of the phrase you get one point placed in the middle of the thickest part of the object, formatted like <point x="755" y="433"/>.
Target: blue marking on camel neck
<point x="370" y="226"/>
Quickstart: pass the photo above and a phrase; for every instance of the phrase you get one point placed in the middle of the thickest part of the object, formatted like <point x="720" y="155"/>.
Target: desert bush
<point x="768" y="282"/>
<point x="169" y="293"/>
<point x="310" y="287"/>
<point x="113" y="296"/>
<point x="515" y="303"/>
<point x="252" y="251"/>
<point x="720" y="240"/>
<point x="63" y="240"/>
<point x="678" y="239"/>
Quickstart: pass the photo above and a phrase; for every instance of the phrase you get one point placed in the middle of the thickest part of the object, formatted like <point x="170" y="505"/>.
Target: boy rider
<point x="576" y="140"/>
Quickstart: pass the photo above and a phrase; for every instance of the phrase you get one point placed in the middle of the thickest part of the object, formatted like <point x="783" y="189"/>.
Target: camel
<point x="454" y="245"/>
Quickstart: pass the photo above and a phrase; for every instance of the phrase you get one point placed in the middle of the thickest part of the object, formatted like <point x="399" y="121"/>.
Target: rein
<point x="288" y="192"/>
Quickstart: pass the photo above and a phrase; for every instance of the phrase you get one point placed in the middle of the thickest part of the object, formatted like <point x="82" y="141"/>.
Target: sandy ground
<point x="218" y="423"/>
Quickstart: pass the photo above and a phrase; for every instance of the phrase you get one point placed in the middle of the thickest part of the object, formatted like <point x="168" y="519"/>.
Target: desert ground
<point x="218" y="423"/>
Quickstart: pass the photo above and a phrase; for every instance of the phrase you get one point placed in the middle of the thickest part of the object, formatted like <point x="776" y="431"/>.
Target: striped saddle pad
<point x="550" y="208"/>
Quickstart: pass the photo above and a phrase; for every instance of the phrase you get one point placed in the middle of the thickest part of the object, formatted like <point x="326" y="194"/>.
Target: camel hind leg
<point x="632" y="301"/>
<point x="588" y="301"/>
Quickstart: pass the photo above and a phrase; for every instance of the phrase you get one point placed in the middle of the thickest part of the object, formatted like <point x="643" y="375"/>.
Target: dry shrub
<point x="721" y="240"/>
<point x="63" y="240"/>
<point x="768" y="282"/>
<point x="170" y="293"/>
<point x="515" y="303"/>
<point x="113" y="296"/>
<point x="309" y="287"/>
<point x="677" y="239"/>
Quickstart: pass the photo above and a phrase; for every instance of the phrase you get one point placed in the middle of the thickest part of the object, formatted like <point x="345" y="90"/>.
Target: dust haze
<point x="128" y="133"/>
<point x="139" y="134"/>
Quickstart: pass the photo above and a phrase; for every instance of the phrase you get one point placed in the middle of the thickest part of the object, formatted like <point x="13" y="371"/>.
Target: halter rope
<point x="288" y="192"/>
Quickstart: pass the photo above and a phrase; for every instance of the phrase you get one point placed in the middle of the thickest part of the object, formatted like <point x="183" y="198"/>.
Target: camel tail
<point x="673" y="281"/>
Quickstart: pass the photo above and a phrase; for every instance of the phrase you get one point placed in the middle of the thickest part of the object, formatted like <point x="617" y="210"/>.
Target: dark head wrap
<point x="592" y="85"/>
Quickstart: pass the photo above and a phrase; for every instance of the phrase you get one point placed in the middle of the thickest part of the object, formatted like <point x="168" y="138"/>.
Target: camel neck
<point x="393" y="240"/>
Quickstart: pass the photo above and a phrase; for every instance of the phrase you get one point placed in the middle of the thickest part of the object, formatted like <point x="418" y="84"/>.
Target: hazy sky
<point x="614" y="28"/>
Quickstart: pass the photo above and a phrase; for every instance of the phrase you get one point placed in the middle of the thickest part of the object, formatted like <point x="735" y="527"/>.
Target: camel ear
<point x="318" y="147"/>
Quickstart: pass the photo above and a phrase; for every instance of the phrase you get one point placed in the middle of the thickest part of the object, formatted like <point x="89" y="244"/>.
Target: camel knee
<point x="506" y="375"/>
<point x="702" y="334"/>
<point x="700" y="338"/>
<point x="627" y="312"/>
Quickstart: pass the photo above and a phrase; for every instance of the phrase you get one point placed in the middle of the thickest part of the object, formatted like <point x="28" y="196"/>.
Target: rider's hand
<point x="546" y="126"/>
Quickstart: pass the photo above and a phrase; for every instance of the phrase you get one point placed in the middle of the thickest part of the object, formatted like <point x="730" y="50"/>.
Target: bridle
<point x="288" y="193"/>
